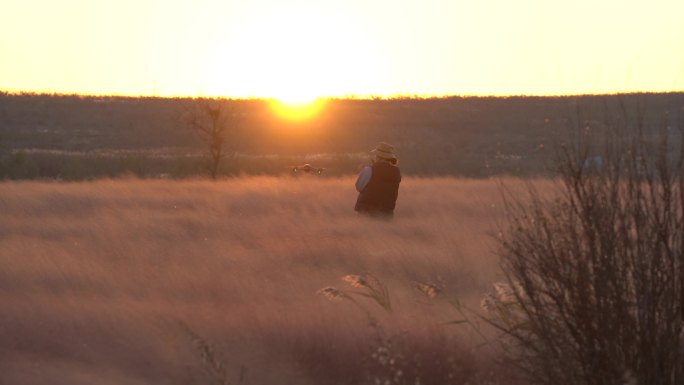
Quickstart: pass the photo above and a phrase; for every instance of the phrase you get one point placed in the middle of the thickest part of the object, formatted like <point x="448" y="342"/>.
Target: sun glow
<point x="297" y="109"/>
<point x="294" y="55"/>
<point x="301" y="49"/>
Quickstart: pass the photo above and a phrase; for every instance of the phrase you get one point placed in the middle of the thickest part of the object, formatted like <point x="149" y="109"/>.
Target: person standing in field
<point x="378" y="184"/>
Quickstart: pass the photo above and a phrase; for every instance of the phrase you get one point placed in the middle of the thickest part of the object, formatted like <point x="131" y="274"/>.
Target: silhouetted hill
<point x="76" y="137"/>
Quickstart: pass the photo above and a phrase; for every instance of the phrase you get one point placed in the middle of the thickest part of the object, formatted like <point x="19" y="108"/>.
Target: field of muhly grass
<point x="199" y="282"/>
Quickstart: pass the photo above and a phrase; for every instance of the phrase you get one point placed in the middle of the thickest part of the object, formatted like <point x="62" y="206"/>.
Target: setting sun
<point x="297" y="108"/>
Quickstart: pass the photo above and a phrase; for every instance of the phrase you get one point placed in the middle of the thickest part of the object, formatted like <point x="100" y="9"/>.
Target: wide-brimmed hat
<point x="384" y="151"/>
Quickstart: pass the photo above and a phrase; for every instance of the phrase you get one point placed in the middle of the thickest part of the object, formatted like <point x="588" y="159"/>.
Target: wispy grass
<point x="95" y="276"/>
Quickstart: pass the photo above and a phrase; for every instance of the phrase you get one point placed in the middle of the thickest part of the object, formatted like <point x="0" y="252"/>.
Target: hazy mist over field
<point x="97" y="276"/>
<point x="178" y="185"/>
<point x="161" y="275"/>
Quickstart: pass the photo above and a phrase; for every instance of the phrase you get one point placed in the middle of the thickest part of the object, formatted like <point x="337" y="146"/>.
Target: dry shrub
<point x="595" y="289"/>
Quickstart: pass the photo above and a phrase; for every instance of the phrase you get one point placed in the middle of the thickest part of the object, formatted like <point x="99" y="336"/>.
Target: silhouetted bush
<point x="595" y="291"/>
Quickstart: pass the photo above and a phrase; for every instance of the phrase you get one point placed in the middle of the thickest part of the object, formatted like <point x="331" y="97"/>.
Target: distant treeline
<point x="81" y="137"/>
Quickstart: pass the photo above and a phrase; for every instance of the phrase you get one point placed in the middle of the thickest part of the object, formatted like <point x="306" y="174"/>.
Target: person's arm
<point x="364" y="178"/>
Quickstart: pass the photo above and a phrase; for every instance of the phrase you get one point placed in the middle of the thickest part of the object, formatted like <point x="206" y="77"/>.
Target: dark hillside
<point x="78" y="137"/>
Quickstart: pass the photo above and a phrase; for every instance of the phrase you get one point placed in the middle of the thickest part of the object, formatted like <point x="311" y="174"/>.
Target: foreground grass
<point x="96" y="278"/>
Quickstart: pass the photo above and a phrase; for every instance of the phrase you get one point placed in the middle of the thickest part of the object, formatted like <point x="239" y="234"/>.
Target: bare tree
<point x="211" y="119"/>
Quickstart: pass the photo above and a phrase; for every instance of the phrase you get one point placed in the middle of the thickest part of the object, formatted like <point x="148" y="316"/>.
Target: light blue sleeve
<point x="364" y="178"/>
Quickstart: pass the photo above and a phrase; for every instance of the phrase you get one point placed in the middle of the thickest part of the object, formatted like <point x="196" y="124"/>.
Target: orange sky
<point x="297" y="50"/>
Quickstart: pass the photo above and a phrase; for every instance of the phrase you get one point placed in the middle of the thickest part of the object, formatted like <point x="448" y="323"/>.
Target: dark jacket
<point x="380" y="194"/>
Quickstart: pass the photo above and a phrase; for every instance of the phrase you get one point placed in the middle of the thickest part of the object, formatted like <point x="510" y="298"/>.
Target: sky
<point x="300" y="49"/>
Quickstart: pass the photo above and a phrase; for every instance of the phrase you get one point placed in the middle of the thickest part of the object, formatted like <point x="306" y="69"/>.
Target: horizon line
<point x="398" y="96"/>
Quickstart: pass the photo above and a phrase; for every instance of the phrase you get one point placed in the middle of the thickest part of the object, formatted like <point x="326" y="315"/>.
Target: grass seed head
<point x="356" y="280"/>
<point x="504" y="292"/>
<point x="488" y="303"/>
<point x="331" y="293"/>
<point x="429" y="290"/>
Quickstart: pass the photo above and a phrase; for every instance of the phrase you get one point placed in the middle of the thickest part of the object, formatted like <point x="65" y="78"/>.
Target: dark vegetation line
<point x="74" y="137"/>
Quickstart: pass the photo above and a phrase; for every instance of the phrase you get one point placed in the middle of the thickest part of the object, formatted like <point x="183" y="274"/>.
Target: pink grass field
<point x="97" y="277"/>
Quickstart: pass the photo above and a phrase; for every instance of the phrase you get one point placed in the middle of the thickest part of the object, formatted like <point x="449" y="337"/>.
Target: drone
<point x="307" y="168"/>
